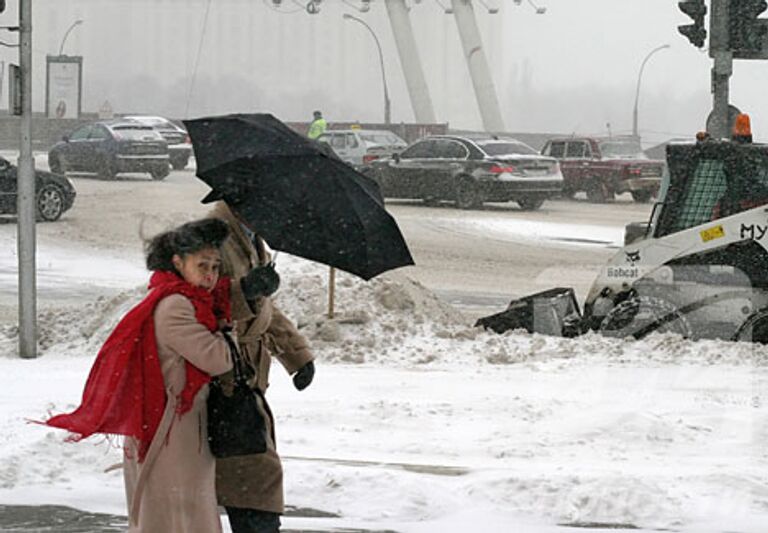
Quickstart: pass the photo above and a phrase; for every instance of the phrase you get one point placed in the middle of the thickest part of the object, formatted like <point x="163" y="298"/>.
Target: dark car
<point x="111" y="147"/>
<point x="604" y="168"/>
<point x="55" y="193"/>
<point x="179" y="143"/>
<point x="468" y="171"/>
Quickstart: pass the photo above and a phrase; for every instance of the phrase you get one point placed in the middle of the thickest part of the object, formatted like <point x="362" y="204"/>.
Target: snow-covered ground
<point x="418" y="422"/>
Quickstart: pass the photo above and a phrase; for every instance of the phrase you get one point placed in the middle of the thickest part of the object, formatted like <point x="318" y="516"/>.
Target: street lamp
<point x="64" y="39"/>
<point x="637" y="91"/>
<point x="381" y="61"/>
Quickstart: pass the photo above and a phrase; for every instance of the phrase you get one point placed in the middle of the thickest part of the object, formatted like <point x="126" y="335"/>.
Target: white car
<point x="358" y="146"/>
<point x="179" y="144"/>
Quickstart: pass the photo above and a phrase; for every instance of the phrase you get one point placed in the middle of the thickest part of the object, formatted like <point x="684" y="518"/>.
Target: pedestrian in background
<point x="149" y="383"/>
<point x="251" y="487"/>
<point x="318" y="126"/>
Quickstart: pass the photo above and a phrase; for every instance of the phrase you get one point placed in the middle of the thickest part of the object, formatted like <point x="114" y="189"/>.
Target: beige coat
<point x="173" y="490"/>
<point x="263" y="332"/>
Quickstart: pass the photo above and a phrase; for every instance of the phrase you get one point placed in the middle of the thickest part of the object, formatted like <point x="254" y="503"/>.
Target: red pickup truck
<point x="605" y="167"/>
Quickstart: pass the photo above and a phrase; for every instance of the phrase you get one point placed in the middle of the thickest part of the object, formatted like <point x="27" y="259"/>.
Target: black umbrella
<point x="295" y="194"/>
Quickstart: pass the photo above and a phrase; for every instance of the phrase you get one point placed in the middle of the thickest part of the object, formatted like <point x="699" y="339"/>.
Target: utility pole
<point x="26" y="194"/>
<point x="722" y="56"/>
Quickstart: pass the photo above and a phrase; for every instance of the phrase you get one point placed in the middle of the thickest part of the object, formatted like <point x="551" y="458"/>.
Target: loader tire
<point x="642" y="315"/>
<point x="754" y="328"/>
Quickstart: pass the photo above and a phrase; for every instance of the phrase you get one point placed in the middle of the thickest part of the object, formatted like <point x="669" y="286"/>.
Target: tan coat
<point x="263" y="332"/>
<point x="173" y="490"/>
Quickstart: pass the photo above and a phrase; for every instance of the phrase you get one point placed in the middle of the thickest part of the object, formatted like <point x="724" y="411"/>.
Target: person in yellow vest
<point x="317" y="127"/>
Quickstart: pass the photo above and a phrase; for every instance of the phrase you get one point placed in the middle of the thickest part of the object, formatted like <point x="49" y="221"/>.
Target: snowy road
<point x="477" y="260"/>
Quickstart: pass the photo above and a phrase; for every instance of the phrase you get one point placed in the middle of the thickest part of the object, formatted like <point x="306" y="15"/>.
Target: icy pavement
<point x="62" y="519"/>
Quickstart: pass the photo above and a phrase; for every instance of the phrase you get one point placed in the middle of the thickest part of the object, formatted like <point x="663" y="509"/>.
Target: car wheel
<point x="568" y="194"/>
<point x="50" y="203"/>
<point x="107" y="168"/>
<point x="160" y="172"/>
<point x="467" y="195"/>
<point x="641" y="315"/>
<point x="531" y="203"/>
<point x="642" y="196"/>
<point x="597" y="192"/>
<point x="754" y="328"/>
<point x="56" y="164"/>
<point x="179" y="164"/>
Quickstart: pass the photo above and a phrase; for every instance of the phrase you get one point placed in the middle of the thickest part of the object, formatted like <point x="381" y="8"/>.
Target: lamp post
<point x="381" y="61"/>
<point x="637" y="90"/>
<point x="64" y="39"/>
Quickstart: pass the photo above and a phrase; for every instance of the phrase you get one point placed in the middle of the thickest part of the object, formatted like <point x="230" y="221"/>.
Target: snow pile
<point x="417" y="421"/>
<point x="75" y="330"/>
<point x="390" y="320"/>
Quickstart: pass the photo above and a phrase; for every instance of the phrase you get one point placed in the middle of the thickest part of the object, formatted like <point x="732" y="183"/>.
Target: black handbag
<point x="235" y="423"/>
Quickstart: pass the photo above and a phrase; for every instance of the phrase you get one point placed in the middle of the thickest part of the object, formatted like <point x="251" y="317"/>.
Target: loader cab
<point x="708" y="181"/>
<point x="698" y="269"/>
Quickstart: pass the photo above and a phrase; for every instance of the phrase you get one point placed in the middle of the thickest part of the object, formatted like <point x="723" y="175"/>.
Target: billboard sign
<point x="63" y="88"/>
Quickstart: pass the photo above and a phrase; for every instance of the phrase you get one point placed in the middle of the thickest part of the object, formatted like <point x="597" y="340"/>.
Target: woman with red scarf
<point x="149" y="383"/>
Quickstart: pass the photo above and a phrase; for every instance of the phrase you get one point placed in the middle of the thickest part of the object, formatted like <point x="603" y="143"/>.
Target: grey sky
<point x="571" y="69"/>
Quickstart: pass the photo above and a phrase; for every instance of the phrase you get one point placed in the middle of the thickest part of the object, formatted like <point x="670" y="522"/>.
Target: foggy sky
<point x="573" y="69"/>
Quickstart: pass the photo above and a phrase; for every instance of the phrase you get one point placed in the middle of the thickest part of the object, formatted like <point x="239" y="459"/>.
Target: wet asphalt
<point x="61" y="519"/>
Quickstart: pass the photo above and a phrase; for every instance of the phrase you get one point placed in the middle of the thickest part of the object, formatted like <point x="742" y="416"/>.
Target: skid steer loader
<point x="698" y="267"/>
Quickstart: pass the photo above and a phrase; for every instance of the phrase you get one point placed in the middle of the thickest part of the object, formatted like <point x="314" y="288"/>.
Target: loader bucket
<point x="551" y="312"/>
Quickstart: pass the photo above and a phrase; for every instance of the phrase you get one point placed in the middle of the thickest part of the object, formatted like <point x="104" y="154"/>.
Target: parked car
<point x="179" y="143"/>
<point x="468" y="171"/>
<point x="605" y="167"/>
<point x="111" y="147"/>
<point x="54" y="193"/>
<point x="357" y="146"/>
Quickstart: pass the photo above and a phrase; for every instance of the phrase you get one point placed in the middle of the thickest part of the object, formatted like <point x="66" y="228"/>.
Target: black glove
<point x="303" y="377"/>
<point x="260" y="281"/>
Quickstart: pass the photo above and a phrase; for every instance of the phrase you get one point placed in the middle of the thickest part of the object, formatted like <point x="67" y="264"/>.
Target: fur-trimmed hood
<point x="222" y="211"/>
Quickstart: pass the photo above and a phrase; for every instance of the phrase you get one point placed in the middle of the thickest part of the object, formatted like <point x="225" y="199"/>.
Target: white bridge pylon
<point x="474" y="54"/>
<point x="413" y="71"/>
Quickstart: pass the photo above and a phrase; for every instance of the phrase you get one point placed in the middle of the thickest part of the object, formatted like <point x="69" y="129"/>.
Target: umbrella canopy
<point x="295" y="195"/>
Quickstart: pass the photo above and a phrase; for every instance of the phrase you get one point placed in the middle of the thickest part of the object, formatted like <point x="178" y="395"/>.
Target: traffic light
<point x="696" y="9"/>
<point x="746" y="32"/>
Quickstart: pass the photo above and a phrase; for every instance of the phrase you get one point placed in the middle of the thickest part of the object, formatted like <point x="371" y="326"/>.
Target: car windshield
<point x="507" y="148"/>
<point x="383" y="137"/>
<point x="137" y="133"/>
<point x="622" y="149"/>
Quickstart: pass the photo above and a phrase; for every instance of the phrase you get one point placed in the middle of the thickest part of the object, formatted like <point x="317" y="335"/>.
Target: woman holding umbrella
<point x="251" y="487"/>
<point x="149" y="383"/>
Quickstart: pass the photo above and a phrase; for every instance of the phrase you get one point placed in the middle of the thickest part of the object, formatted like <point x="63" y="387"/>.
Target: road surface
<point x="477" y="259"/>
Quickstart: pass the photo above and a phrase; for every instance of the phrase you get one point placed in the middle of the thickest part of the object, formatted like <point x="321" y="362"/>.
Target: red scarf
<point x="125" y="392"/>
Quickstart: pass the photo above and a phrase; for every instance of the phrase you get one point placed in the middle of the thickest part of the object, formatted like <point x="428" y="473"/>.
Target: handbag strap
<point x="237" y="361"/>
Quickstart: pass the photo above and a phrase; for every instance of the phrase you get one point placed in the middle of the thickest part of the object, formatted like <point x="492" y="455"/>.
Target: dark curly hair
<point x="187" y="239"/>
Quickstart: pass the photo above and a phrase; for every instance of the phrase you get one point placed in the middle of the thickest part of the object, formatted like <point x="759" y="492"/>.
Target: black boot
<point x="252" y="520"/>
